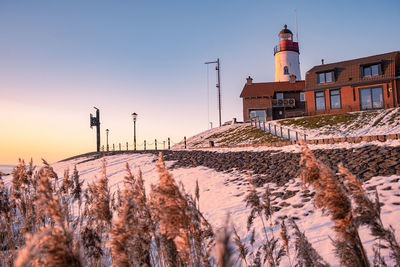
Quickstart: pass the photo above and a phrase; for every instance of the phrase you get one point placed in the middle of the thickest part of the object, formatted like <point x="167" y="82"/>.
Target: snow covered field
<point x="223" y="193"/>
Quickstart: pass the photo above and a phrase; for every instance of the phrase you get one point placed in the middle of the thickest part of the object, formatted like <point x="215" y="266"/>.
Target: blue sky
<point x="59" y="59"/>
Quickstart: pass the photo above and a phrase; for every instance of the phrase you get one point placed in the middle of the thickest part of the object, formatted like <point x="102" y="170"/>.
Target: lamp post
<point x="134" y="117"/>
<point x="107" y="131"/>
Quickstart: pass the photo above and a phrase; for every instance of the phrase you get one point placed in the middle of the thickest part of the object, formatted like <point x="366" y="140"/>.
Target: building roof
<point x="268" y="89"/>
<point x="349" y="71"/>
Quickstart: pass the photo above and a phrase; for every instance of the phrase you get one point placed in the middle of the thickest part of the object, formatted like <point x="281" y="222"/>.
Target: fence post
<point x="155" y="144"/>
<point x="275" y="129"/>
<point x="184" y="140"/>
<point x="288" y="133"/>
<point x="269" y="126"/>
<point x="259" y="124"/>
<point x="281" y="131"/>
<point x="169" y="143"/>
<point x="119" y="146"/>
<point x="144" y="145"/>
<point x="297" y="136"/>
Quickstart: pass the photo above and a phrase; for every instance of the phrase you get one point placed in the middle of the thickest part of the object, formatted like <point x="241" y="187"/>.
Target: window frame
<point x="315" y="97"/>
<point x="281" y="94"/>
<point x="302" y="97"/>
<point x="260" y="110"/>
<point x="285" y="70"/>
<point x="369" y="67"/>
<point x="340" y="98"/>
<point x="324" y="75"/>
<point x="371" y="97"/>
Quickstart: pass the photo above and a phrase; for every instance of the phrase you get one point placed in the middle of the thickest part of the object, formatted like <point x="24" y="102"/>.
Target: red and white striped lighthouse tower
<point x="287" y="61"/>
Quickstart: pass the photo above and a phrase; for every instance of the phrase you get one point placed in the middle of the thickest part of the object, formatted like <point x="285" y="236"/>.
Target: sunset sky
<point x="58" y="59"/>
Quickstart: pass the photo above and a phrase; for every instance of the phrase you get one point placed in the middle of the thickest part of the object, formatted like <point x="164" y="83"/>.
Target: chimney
<point x="292" y="78"/>
<point x="249" y="81"/>
<point x="322" y="61"/>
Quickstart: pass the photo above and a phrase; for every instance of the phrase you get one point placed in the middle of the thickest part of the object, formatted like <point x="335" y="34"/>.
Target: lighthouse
<point x="286" y="54"/>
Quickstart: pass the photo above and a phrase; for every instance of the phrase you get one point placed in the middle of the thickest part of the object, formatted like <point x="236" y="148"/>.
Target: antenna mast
<point x="217" y="68"/>
<point x="297" y="30"/>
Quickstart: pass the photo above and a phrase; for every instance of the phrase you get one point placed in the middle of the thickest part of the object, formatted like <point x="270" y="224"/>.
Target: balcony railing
<point x="287" y="103"/>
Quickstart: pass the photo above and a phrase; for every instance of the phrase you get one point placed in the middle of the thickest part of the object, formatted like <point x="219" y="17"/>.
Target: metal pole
<point x="169" y="143"/>
<point x="217" y="68"/>
<point x="134" y="135"/>
<point x="155" y="144"/>
<point x="107" y="141"/>
<point x="281" y="132"/>
<point x="219" y="92"/>
<point x="269" y="126"/>
<point x="144" y="144"/>
<point x="288" y="133"/>
<point x="184" y="140"/>
<point x="126" y="146"/>
<point x="98" y="129"/>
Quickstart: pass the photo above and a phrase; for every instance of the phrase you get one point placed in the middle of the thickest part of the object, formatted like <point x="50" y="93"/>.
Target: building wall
<point x="256" y="103"/>
<point x="350" y="98"/>
<point x="290" y="59"/>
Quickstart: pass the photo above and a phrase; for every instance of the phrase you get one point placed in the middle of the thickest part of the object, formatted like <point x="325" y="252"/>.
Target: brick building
<point x="360" y="84"/>
<point x="273" y="100"/>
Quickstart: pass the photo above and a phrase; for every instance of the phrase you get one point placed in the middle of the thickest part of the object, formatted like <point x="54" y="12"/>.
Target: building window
<point x="334" y="96"/>
<point x="319" y="100"/>
<point x="285" y="70"/>
<point x="259" y="114"/>
<point x="279" y="95"/>
<point x="302" y="97"/>
<point x="325" y="77"/>
<point x="371" y="70"/>
<point x="371" y="98"/>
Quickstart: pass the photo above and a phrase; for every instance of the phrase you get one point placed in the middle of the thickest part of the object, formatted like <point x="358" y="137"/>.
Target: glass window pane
<point x="279" y="95"/>
<point x="335" y="102"/>
<point x="319" y="101"/>
<point x="302" y="97"/>
<point x="365" y="98"/>
<point x="285" y="70"/>
<point x="377" y="98"/>
<point x="367" y="71"/>
<point x="321" y="77"/>
<point x="374" y="70"/>
<point x="329" y="76"/>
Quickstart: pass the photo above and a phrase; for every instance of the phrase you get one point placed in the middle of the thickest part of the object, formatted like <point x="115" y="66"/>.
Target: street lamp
<point x="107" y="131"/>
<point x="134" y="117"/>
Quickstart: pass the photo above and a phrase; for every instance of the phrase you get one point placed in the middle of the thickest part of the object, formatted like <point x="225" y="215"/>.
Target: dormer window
<point x="371" y="70"/>
<point x="285" y="70"/>
<point x="326" y="77"/>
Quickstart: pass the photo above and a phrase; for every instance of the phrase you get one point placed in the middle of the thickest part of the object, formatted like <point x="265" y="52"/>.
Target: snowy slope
<point x="223" y="193"/>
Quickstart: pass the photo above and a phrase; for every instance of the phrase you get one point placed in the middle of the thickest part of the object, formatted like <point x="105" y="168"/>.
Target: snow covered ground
<point x="223" y="193"/>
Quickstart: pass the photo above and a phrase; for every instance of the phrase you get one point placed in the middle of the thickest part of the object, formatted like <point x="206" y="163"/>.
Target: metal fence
<point x="278" y="130"/>
<point x="146" y="145"/>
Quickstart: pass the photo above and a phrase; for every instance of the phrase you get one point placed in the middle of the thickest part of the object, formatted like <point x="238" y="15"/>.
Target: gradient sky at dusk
<point x="58" y="59"/>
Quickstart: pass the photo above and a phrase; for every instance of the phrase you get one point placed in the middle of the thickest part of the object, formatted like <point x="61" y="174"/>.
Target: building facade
<point x="353" y="85"/>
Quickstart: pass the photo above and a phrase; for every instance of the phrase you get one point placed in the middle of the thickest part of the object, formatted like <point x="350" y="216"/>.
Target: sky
<point x="59" y="59"/>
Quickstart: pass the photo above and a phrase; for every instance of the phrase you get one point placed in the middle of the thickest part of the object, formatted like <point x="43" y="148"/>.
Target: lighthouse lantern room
<point x="287" y="61"/>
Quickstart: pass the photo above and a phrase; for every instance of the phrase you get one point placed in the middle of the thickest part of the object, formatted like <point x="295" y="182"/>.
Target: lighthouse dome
<point x="285" y="34"/>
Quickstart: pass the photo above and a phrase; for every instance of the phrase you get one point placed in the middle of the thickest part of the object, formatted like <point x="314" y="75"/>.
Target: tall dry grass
<point x="51" y="221"/>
